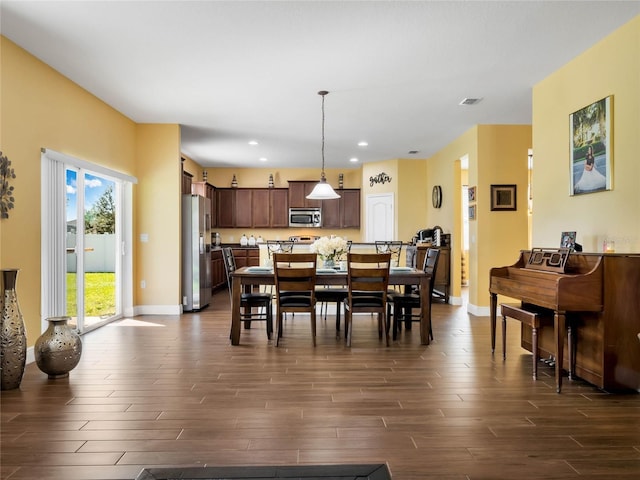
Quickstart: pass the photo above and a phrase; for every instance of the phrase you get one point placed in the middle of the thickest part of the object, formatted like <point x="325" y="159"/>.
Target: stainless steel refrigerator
<point x="196" y="252"/>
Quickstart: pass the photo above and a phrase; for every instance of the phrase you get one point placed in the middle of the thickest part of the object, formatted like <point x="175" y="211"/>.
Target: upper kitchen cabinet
<point x="234" y="207"/>
<point x="252" y="207"/>
<point x="350" y="206"/>
<point x="225" y="203"/>
<point x="278" y="207"/>
<point x="243" y="207"/>
<point x="298" y="191"/>
<point x="260" y="207"/>
<point x="343" y="212"/>
<point x="209" y="192"/>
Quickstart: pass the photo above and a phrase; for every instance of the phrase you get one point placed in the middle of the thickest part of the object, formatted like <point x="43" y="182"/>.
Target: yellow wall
<point x="157" y="211"/>
<point x="502" y="159"/>
<point x="413" y="196"/>
<point x="497" y="155"/>
<point x="42" y="109"/>
<point x="611" y="67"/>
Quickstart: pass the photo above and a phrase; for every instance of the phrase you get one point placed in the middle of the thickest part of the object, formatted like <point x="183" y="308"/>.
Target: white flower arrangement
<point x="330" y="248"/>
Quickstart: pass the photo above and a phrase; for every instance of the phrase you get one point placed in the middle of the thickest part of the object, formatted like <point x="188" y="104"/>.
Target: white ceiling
<point x="234" y="71"/>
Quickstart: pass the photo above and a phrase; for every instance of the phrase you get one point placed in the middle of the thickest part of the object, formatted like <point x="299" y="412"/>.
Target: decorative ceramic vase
<point x="58" y="349"/>
<point x="13" y="340"/>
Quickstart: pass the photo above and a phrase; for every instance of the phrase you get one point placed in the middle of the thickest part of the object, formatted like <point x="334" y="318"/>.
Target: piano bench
<point x="533" y="317"/>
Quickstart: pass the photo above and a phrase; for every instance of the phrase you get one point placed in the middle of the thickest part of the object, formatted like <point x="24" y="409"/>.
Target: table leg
<point x="235" y="310"/>
<point x="559" y="327"/>
<point x="425" y="311"/>
<point x="493" y="308"/>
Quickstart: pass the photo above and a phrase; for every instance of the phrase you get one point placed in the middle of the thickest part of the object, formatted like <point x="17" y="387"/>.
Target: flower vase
<point x="329" y="263"/>
<point x="58" y="349"/>
<point x="13" y="340"/>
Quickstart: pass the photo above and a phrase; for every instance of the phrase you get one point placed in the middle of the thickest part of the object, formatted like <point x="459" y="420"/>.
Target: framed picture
<point x="568" y="240"/>
<point x="472" y="194"/>
<point x="503" y="197"/>
<point x="472" y="212"/>
<point x="591" y="140"/>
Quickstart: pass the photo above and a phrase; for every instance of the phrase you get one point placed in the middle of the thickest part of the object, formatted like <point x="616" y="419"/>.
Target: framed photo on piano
<point x="568" y="240"/>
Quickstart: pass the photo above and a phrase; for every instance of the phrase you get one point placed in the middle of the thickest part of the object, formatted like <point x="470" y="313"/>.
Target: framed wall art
<point x="590" y="147"/>
<point x="472" y="194"/>
<point x="503" y="197"/>
<point x="472" y="212"/>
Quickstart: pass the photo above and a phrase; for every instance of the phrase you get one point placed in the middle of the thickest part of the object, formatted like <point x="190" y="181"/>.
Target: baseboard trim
<point x="157" y="310"/>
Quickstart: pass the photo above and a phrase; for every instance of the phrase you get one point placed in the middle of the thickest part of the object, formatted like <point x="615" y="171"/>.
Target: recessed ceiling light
<point x="253" y="143"/>
<point x="470" y="101"/>
<point x="363" y="144"/>
<point x="263" y="159"/>
<point x="354" y="159"/>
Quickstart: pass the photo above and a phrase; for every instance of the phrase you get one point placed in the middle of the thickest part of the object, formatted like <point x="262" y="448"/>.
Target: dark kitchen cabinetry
<point x="209" y="192"/>
<point x="225" y="203"/>
<point x="343" y="212"/>
<point x="246" y="257"/>
<point x="243" y="207"/>
<point x="298" y="191"/>
<point x="278" y="207"/>
<point x="218" y="275"/>
<point x="350" y="205"/>
<point x="260" y="207"/>
<point x="234" y="207"/>
<point x="252" y="207"/>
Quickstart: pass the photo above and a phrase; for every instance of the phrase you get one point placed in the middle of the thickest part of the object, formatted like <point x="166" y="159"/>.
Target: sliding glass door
<point x="92" y="239"/>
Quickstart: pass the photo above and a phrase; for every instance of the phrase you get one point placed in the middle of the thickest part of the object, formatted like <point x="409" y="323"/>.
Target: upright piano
<point x="598" y="296"/>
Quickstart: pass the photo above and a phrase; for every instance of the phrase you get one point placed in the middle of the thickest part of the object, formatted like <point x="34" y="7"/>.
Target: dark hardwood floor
<point x="162" y="391"/>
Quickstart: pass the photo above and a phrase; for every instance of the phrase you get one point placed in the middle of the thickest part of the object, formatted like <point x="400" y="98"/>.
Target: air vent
<point x="470" y="101"/>
<point x="413" y="152"/>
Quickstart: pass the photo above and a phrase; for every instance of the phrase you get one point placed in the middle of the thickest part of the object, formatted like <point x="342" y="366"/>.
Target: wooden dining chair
<point x="295" y="279"/>
<point x="249" y="300"/>
<point x="367" y="281"/>
<point x="404" y="303"/>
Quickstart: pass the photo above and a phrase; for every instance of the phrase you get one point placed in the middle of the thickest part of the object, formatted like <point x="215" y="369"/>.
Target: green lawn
<point x="100" y="294"/>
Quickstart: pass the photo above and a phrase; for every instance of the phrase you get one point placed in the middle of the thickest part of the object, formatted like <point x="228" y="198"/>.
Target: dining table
<point x="245" y="278"/>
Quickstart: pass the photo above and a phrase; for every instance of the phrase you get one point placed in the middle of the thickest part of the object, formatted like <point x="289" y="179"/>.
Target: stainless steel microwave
<point x="305" y="217"/>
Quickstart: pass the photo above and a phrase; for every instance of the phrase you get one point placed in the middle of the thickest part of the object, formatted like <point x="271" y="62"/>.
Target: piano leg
<point x="493" y="309"/>
<point x="558" y="327"/>
<point x="570" y="343"/>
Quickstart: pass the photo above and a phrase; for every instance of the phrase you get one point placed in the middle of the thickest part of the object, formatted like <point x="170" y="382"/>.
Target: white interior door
<point x="380" y="219"/>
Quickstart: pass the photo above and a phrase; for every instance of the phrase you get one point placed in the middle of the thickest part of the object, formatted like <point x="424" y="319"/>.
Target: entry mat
<point x="293" y="472"/>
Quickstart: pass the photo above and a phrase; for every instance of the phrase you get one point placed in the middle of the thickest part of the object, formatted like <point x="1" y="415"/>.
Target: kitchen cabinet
<point x="187" y="178"/>
<point x="225" y="203"/>
<point x="252" y="207"/>
<point x="218" y="273"/>
<point x="246" y="256"/>
<point x="350" y="200"/>
<point x="343" y="212"/>
<point x="260" y="201"/>
<point x="278" y="207"/>
<point x="234" y="207"/>
<point x="298" y="191"/>
<point x="209" y="192"/>
<point x="243" y="208"/>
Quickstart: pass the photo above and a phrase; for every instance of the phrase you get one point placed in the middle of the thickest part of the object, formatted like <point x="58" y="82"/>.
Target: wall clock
<point x="436" y="196"/>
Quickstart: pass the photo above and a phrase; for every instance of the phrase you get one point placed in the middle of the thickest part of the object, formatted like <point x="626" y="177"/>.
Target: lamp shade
<point x="322" y="191"/>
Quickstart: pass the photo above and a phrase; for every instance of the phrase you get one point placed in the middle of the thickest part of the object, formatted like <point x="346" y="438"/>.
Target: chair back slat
<point x="368" y="272"/>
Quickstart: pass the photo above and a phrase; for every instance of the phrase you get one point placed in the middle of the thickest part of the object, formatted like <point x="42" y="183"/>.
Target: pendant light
<point x="322" y="191"/>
